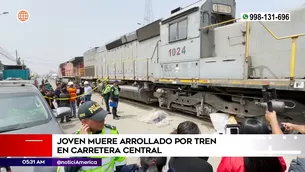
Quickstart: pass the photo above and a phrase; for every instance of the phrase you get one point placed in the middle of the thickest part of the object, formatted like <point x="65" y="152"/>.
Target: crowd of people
<point x="94" y="123"/>
<point x="66" y="95"/>
<point x="227" y="164"/>
<point x="71" y="95"/>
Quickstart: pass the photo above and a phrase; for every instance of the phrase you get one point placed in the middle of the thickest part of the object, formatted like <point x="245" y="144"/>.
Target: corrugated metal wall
<point x="90" y="60"/>
<point x="69" y="69"/>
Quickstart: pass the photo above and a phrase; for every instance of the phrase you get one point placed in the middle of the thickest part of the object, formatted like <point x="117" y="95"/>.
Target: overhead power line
<point x="11" y="58"/>
<point x="7" y="57"/>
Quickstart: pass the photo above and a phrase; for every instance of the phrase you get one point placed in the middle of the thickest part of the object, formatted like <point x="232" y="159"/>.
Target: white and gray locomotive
<point x="202" y="60"/>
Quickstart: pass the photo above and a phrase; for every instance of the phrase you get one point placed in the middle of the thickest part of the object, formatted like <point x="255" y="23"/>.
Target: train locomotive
<point x="201" y="59"/>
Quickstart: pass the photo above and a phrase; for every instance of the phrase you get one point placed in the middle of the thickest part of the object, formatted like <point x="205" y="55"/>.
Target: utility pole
<point x="18" y="60"/>
<point x="148" y="13"/>
<point x="16" y="57"/>
<point x="1" y="65"/>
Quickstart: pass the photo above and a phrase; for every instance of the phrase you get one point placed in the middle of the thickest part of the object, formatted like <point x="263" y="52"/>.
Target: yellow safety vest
<point x="107" y="89"/>
<point x="109" y="164"/>
<point x="116" y="91"/>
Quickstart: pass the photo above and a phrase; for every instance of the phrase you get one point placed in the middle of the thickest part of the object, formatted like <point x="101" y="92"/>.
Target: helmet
<point x="70" y="83"/>
<point x="86" y="82"/>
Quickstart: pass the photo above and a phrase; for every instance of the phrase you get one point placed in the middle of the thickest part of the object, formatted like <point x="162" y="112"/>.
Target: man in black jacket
<point x="189" y="164"/>
<point x="79" y="91"/>
<point x="48" y="95"/>
<point x="57" y="92"/>
<point x="64" y="102"/>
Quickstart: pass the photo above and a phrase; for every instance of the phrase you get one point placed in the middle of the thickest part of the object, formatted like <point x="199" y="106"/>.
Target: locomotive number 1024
<point x="176" y="51"/>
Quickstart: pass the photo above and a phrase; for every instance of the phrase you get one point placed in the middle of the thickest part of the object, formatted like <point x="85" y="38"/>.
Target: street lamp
<point x="4" y="13"/>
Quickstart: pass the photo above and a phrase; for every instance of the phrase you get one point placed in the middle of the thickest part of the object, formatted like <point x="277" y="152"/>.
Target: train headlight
<point x="222" y="8"/>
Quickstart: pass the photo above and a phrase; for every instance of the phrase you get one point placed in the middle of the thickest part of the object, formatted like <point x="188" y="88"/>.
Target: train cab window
<point x="218" y="18"/>
<point x="173" y="32"/>
<point x="182" y="29"/>
<point x="178" y="30"/>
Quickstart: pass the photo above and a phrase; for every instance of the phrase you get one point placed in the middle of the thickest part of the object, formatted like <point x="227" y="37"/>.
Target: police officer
<point x="106" y="94"/>
<point x="114" y="97"/>
<point x="92" y="117"/>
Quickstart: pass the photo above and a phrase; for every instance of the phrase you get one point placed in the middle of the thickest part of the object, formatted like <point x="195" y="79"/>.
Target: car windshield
<point x="22" y="110"/>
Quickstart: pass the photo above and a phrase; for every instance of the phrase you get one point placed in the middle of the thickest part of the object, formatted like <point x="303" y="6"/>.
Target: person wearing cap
<point x="88" y="91"/>
<point x="92" y="117"/>
<point x="48" y="86"/>
<point x="72" y="93"/>
<point x="48" y="95"/>
<point x="64" y="101"/>
<point x="114" y="98"/>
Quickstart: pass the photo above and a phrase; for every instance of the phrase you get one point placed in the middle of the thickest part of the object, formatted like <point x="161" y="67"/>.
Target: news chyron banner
<point x="138" y="145"/>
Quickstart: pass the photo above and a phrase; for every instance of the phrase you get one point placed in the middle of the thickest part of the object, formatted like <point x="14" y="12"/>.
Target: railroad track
<point x="155" y="106"/>
<point x="186" y="115"/>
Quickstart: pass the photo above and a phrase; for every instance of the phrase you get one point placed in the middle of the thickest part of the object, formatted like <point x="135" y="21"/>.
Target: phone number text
<point x="265" y="16"/>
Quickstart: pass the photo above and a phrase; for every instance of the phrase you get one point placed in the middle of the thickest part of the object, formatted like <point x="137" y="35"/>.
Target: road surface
<point x="129" y="123"/>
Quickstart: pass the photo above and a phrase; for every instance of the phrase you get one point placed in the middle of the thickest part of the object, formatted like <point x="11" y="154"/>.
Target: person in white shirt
<point x="88" y="91"/>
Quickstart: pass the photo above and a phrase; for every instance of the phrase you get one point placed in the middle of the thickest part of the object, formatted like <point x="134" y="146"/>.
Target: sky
<point x="59" y="30"/>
